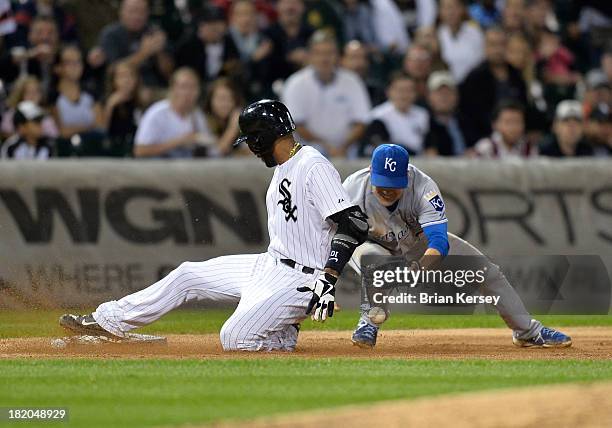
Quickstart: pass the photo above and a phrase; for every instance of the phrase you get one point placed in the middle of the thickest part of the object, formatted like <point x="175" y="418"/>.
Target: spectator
<point x="598" y="131"/>
<point x="488" y="84"/>
<point x="358" y="21"/>
<point x="508" y="138"/>
<point x="135" y="40"/>
<point x="76" y="110"/>
<point x="513" y="16"/>
<point x="330" y="105"/>
<point x="398" y="120"/>
<point x="253" y="47"/>
<point x="426" y="37"/>
<point x="520" y="56"/>
<point x="537" y="16"/>
<point x="210" y="50"/>
<point x="166" y="15"/>
<point x="28" y="141"/>
<point x="445" y="136"/>
<point x="27" y="10"/>
<point x="172" y="127"/>
<point x="606" y="63"/>
<point x="485" y="13"/>
<point x="568" y="133"/>
<point x="222" y="107"/>
<point x="355" y="58"/>
<point x="289" y="37"/>
<point x="8" y="25"/>
<point x="123" y="107"/>
<point x="27" y="88"/>
<point x="37" y="57"/>
<point x="556" y="63"/>
<point x="251" y="44"/>
<point x="418" y="65"/>
<point x="389" y="28"/>
<point x="598" y="92"/>
<point x="461" y="41"/>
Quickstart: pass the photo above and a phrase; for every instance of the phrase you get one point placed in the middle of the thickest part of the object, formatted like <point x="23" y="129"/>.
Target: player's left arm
<point x="328" y="195"/>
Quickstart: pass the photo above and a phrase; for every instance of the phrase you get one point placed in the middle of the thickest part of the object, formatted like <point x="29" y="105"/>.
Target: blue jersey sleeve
<point x="437" y="237"/>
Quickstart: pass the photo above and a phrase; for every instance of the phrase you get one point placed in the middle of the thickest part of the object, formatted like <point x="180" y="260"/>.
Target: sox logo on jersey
<point x="283" y="189"/>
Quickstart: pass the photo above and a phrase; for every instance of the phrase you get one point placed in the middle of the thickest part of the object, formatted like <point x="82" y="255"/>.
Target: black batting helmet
<point x="262" y="123"/>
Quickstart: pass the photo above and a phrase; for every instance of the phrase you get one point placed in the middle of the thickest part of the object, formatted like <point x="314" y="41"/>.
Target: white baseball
<point x="377" y="315"/>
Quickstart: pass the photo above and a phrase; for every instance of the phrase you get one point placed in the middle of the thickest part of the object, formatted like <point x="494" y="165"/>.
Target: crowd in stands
<point x="168" y="79"/>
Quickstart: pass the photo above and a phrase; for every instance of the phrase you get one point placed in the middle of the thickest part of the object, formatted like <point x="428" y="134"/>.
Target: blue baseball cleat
<point x="546" y="338"/>
<point x="364" y="335"/>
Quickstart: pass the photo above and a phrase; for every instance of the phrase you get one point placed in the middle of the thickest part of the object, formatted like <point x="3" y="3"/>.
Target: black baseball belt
<point x="294" y="265"/>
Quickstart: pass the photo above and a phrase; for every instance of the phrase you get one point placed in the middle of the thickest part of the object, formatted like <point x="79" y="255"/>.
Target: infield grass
<point x="43" y="323"/>
<point x="144" y="393"/>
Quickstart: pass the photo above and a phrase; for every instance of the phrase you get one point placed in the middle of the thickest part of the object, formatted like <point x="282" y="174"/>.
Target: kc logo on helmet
<point x="390" y="164"/>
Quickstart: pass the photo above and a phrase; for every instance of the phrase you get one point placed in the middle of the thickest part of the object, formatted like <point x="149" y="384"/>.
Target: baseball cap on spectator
<point x="211" y="14"/>
<point x="597" y="79"/>
<point x="569" y="109"/>
<point x="437" y="79"/>
<point x="27" y="111"/>
<point x="389" y="166"/>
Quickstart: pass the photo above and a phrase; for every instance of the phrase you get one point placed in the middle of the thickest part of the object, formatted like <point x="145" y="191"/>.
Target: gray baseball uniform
<point x="400" y="232"/>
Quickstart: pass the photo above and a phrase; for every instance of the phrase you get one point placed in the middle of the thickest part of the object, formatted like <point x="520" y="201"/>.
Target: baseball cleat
<point x="364" y="335"/>
<point x="83" y="324"/>
<point x="546" y="338"/>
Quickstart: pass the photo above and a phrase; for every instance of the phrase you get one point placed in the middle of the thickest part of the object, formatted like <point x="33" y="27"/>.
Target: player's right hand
<point x="323" y="297"/>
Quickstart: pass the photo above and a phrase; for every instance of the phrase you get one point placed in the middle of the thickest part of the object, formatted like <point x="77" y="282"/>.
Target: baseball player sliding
<point x="313" y="228"/>
<point x="407" y="217"/>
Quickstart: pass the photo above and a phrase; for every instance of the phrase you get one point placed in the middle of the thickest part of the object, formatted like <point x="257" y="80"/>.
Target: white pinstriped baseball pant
<point x="269" y="303"/>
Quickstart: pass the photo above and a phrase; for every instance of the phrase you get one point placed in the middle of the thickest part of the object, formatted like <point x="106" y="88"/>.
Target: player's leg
<point x="220" y="280"/>
<point x="366" y="331"/>
<point x="526" y="330"/>
<point x="270" y="308"/>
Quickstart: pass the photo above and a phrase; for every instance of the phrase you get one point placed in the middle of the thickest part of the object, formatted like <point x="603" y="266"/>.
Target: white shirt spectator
<point x="427" y="11"/>
<point x="389" y="25"/>
<point x="161" y="123"/>
<point x="463" y="51"/>
<point x="17" y="148"/>
<point x="327" y="110"/>
<point x="494" y="148"/>
<point x="405" y="128"/>
<point x="79" y="113"/>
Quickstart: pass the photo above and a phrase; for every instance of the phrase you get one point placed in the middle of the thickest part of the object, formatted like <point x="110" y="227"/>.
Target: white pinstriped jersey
<point x="402" y="229"/>
<point x="304" y="191"/>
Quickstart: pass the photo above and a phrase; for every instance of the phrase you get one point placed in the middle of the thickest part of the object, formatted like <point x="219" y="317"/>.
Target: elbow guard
<point x="352" y="232"/>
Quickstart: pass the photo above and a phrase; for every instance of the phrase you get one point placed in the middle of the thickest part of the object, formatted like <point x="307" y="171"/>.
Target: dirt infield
<point x="576" y="405"/>
<point x="590" y="343"/>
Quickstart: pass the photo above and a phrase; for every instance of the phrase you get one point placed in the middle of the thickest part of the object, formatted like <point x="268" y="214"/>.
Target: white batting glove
<point x="323" y="297"/>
